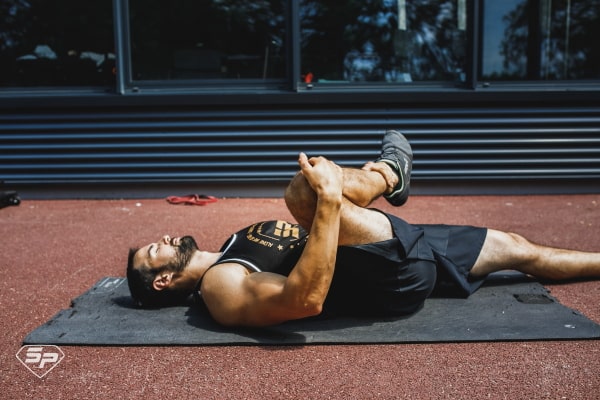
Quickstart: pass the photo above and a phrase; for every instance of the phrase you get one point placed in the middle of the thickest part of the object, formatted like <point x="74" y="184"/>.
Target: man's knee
<point x="503" y="250"/>
<point x="300" y="199"/>
<point x="522" y="250"/>
<point x="296" y="192"/>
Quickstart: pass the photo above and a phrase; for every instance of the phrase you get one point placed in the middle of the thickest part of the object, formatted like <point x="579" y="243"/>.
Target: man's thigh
<point x="362" y="225"/>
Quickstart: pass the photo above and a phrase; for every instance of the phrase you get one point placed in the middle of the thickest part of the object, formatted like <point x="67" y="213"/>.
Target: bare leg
<point x="502" y="250"/>
<point x="362" y="186"/>
<point x="358" y="224"/>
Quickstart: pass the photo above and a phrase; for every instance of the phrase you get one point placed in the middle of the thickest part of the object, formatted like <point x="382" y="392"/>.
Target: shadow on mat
<point x="292" y="332"/>
<point x="125" y="302"/>
<point x="288" y="332"/>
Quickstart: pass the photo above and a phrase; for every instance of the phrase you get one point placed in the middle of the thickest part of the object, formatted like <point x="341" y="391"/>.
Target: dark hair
<point x="140" y="281"/>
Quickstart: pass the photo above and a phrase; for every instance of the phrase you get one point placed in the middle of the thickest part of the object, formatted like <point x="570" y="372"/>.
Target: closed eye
<point x="153" y="251"/>
<point x="150" y="250"/>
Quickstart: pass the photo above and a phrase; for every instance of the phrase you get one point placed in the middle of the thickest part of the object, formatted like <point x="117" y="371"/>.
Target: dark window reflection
<point x="383" y="40"/>
<point x="541" y="39"/>
<point x="216" y="39"/>
<point x="56" y="43"/>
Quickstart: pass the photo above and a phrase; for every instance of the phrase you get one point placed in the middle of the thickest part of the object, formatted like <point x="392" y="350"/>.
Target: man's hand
<point x="391" y="179"/>
<point x="324" y="176"/>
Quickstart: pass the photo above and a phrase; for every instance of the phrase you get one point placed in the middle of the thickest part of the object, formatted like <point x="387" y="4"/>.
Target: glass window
<point x="56" y="43"/>
<point x="383" y="40"/>
<point x="216" y="39"/>
<point x="541" y="39"/>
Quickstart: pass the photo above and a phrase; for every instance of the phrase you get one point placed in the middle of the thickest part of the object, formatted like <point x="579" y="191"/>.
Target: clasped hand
<point x="324" y="176"/>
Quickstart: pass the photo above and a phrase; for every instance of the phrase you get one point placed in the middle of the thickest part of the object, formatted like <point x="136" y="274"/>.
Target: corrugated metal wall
<point x="257" y="145"/>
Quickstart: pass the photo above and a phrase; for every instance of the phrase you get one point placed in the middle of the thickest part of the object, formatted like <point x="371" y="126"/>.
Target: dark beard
<point x="186" y="249"/>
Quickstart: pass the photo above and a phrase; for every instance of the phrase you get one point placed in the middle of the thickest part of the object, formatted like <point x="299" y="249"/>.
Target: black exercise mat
<point x="506" y="308"/>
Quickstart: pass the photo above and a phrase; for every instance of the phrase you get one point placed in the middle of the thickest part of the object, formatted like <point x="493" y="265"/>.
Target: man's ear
<point x="162" y="280"/>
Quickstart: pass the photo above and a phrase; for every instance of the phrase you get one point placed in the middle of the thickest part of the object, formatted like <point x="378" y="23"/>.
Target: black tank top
<point x="269" y="246"/>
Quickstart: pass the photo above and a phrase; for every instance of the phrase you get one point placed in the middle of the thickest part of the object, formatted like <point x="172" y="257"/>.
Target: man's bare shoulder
<point x="220" y="290"/>
<point x="222" y="276"/>
<point x="236" y="296"/>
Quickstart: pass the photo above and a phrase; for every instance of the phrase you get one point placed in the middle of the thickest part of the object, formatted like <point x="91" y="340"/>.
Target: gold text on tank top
<point x="265" y="236"/>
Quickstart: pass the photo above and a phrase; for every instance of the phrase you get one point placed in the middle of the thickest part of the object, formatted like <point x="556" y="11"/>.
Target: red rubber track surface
<point x="52" y="251"/>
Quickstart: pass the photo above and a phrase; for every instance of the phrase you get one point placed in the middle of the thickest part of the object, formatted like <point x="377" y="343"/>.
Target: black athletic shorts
<point x="394" y="277"/>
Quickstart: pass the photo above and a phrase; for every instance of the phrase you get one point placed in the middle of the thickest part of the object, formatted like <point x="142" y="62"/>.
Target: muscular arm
<point x="308" y="283"/>
<point x="235" y="297"/>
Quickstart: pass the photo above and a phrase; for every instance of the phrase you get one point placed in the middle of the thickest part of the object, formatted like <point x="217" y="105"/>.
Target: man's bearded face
<point x="184" y="252"/>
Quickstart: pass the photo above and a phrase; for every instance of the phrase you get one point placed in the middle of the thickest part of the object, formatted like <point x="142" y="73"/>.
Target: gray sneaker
<point x="397" y="153"/>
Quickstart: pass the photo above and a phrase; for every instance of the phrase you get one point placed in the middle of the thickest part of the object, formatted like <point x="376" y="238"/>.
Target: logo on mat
<point x="40" y="359"/>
